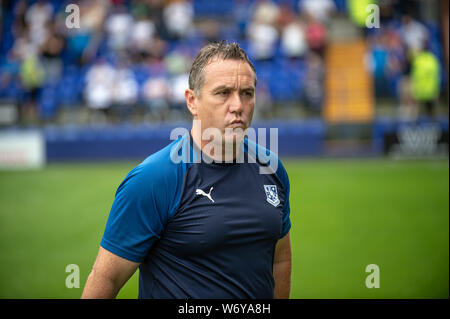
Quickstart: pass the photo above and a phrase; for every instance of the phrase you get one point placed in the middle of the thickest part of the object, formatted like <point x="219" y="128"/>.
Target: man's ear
<point x="191" y="102"/>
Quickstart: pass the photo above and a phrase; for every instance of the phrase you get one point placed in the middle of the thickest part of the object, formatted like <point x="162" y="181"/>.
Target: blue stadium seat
<point x="48" y="102"/>
<point x="12" y="91"/>
<point x="279" y="85"/>
<point x="213" y="8"/>
<point x="292" y="4"/>
<point x="69" y="87"/>
<point x="141" y="75"/>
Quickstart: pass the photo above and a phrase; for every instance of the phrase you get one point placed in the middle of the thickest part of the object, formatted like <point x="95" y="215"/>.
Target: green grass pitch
<point x="346" y="214"/>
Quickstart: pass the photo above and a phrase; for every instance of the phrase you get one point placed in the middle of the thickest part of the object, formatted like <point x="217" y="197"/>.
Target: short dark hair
<point x="222" y="50"/>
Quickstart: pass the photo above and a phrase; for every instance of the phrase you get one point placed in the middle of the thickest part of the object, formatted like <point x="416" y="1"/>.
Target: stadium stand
<point x="140" y="35"/>
<point x="349" y="87"/>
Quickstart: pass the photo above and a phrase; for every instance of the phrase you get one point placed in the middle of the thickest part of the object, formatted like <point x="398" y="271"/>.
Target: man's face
<point x="227" y="98"/>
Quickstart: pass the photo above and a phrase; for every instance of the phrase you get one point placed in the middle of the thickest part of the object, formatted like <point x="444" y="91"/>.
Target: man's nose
<point x="236" y="105"/>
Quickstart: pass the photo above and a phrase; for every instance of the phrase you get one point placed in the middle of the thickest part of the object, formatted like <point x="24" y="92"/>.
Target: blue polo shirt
<point x="201" y="229"/>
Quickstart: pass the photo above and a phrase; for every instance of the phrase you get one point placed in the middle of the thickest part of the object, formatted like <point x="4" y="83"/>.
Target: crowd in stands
<point x="131" y="58"/>
<point x="406" y="59"/>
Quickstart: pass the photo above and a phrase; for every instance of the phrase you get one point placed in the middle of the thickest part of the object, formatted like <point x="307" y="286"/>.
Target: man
<point x="425" y="80"/>
<point x="213" y="228"/>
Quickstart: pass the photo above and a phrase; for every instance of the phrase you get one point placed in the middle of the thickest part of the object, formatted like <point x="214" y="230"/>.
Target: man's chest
<point x="226" y="207"/>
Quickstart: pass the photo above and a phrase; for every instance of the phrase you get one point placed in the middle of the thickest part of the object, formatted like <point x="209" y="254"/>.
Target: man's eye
<point x="223" y="93"/>
<point x="248" y="93"/>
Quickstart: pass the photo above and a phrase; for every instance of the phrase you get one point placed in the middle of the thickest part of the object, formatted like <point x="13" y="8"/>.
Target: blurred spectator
<point x="387" y="12"/>
<point x="155" y="93"/>
<point x="425" y="80"/>
<point x="125" y="91"/>
<point x="140" y="9"/>
<point x="176" y="63"/>
<point x="317" y="36"/>
<point x="158" y="49"/>
<point x="264" y="101"/>
<point x="414" y="34"/>
<point x="357" y="11"/>
<point x="398" y="57"/>
<point x="211" y="30"/>
<point x="155" y="11"/>
<point x="320" y="10"/>
<point x="98" y="91"/>
<point x="178" y="17"/>
<point x="52" y="49"/>
<point x="293" y="39"/>
<point x="32" y="76"/>
<point x="23" y="47"/>
<point x="178" y="85"/>
<point x="93" y="15"/>
<point x="378" y="65"/>
<point x="118" y="25"/>
<point x="38" y="17"/>
<point x="398" y="71"/>
<point x="263" y="39"/>
<point x="83" y="42"/>
<point x="285" y="16"/>
<point x="19" y="27"/>
<point x="408" y="108"/>
<point x="266" y="12"/>
<point x="142" y="35"/>
<point x="262" y="33"/>
<point x="314" y="88"/>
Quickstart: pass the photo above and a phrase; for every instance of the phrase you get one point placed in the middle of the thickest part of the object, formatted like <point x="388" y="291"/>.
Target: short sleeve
<point x="141" y="208"/>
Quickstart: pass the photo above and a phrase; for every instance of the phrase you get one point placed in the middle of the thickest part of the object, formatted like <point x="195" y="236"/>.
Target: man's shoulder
<point x="162" y="159"/>
<point x="265" y="157"/>
<point x="159" y="169"/>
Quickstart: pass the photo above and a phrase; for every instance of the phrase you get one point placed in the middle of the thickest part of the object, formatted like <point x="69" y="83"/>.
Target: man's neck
<point x="218" y="150"/>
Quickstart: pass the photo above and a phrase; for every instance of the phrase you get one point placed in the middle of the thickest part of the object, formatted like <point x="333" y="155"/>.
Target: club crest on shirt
<point x="272" y="194"/>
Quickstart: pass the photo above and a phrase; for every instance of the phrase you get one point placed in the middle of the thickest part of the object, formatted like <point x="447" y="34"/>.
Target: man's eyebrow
<point x="225" y="87"/>
<point x="222" y="87"/>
